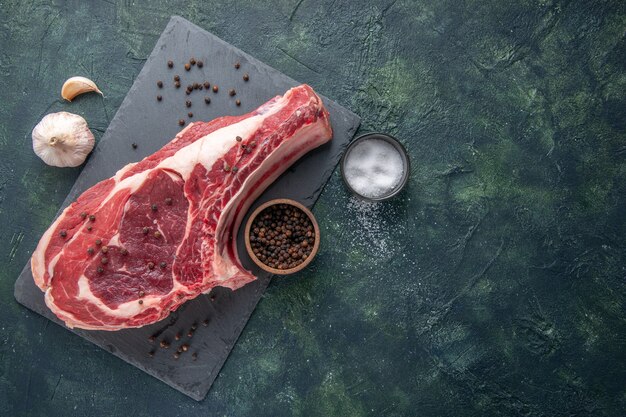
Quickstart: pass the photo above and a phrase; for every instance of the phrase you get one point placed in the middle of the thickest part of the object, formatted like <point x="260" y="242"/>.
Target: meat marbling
<point x="136" y="246"/>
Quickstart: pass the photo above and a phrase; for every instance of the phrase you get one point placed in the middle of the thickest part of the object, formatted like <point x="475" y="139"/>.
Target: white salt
<point x="374" y="168"/>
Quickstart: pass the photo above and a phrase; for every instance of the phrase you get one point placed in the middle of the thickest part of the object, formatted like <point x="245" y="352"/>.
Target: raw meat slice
<point x="136" y="246"/>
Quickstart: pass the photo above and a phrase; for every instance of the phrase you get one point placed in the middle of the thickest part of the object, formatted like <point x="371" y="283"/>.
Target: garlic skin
<point x="76" y="86"/>
<point x="62" y="139"/>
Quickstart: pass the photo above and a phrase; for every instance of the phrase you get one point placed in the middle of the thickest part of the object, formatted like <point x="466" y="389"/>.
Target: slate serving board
<point x="151" y="124"/>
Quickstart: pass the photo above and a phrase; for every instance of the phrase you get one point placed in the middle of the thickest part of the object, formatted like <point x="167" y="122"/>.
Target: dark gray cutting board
<point x="151" y="124"/>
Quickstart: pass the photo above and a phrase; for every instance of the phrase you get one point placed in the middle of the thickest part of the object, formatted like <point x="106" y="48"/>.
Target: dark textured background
<point x="495" y="286"/>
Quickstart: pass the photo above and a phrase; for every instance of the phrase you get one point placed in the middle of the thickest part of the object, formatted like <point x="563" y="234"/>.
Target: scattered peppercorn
<point x="215" y="89"/>
<point x="187" y="67"/>
<point x="188" y="103"/>
<point x="141" y="293"/>
<point x="199" y="86"/>
<point x="238" y="138"/>
<point x="207" y="100"/>
<point x="168" y="201"/>
<point x="185" y="347"/>
<point x="232" y="92"/>
<point x="226" y="166"/>
<point x="134" y="145"/>
<point x="153" y="207"/>
<point x="159" y="98"/>
<point x="152" y="338"/>
<point x="176" y="355"/>
<point x="89" y="228"/>
<point x="145" y="230"/>
<point x="90" y="251"/>
<point x="212" y="297"/>
<point x="194" y="356"/>
<point x="200" y="64"/>
<point x="157" y="234"/>
<point x="160" y="84"/>
<point x="190" y="333"/>
<point x="194" y="326"/>
<point x="100" y="270"/>
<point x="207" y="85"/>
<point x="178" y="336"/>
<point x="238" y="102"/>
<point x="196" y="86"/>
<point x="246" y="77"/>
<point x="176" y="77"/>
<point x="177" y="84"/>
<point x="63" y="233"/>
<point x="181" y="122"/>
<point x="124" y="251"/>
<point x="98" y="242"/>
<point x="104" y="260"/>
<point x="190" y="114"/>
<point x="140" y="301"/>
<point x="104" y="249"/>
<point x="151" y="354"/>
<point x="92" y="218"/>
<point x="170" y="64"/>
<point x="205" y="323"/>
<point x="150" y="265"/>
<point x="192" y="61"/>
<point x="164" y="344"/>
<point x="83" y="215"/>
<point x="235" y="169"/>
<point x="237" y="65"/>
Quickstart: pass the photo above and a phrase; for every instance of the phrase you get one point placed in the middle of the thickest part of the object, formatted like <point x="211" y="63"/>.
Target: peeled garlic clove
<point x="62" y="139"/>
<point x="76" y="86"/>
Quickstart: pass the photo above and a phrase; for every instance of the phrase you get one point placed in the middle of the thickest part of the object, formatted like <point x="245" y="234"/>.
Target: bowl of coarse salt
<point x="375" y="167"/>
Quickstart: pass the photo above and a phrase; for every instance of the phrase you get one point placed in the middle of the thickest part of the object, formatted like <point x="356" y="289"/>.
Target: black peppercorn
<point x="164" y="344"/>
<point x="190" y="114"/>
<point x="159" y="98"/>
<point x="238" y="138"/>
<point x="89" y="228"/>
<point x="98" y="242"/>
<point x="238" y="102"/>
<point x="150" y="265"/>
<point x="196" y="86"/>
<point x="237" y="65"/>
<point x="232" y="92"/>
<point x="92" y="218"/>
<point x="104" y="260"/>
<point x="124" y="251"/>
<point x="177" y="84"/>
<point x="192" y="61"/>
<point x="100" y="269"/>
<point x="215" y="89"/>
<point x="151" y="354"/>
<point x="134" y="145"/>
<point x="140" y="301"/>
<point x="145" y="230"/>
<point x="207" y="85"/>
<point x="188" y="103"/>
<point x="83" y="215"/>
<point x="160" y="84"/>
<point x="90" y="251"/>
<point x="176" y="77"/>
<point x="178" y="336"/>
<point x="157" y="234"/>
<point x="170" y="64"/>
<point x="63" y="233"/>
<point x="246" y="77"/>
<point x="200" y="64"/>
<point x="194" y="356"/>
<point x="153" y="207"/>
<point x="181" y="122"/>
<point x="207" y="100"/>
<point x="168" y="201"/>
<point x="205" y="323"/>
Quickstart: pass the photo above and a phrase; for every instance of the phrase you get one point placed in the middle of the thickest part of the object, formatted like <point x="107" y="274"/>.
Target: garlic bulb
<point x="62" y="139"/>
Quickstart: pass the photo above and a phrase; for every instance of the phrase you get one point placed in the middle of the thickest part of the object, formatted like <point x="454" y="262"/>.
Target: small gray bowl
<point x="396" y="144"/>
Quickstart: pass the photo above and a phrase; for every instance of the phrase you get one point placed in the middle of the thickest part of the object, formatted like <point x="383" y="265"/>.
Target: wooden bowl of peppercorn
<point x="282" y="236"/>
